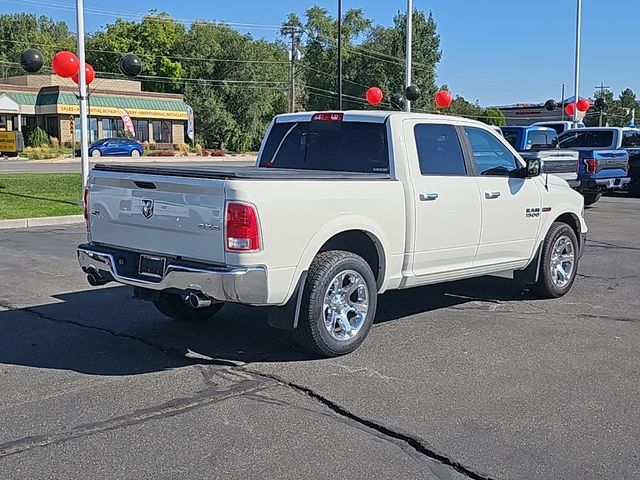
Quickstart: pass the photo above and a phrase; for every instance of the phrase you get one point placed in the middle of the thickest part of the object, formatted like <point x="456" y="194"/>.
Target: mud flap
<point x="286" y="316"/>
<point x="531" y="272"/>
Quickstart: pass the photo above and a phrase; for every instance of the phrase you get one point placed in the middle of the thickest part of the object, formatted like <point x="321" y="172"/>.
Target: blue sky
<point x="494" y="51"/>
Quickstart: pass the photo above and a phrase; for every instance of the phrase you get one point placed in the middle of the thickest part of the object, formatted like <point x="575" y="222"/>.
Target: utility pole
<point x="562" y="102"/>
<point x="292" y="71"/>
<point x="82" y="94"/>
<point x="577" y="65"/>
<point x="602" y="88"/>
<point x="339" y="54"/>
<point x="409" y="49"/>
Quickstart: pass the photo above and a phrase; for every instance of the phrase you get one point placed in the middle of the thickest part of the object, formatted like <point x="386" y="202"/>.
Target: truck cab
<point x="561" y="126"/>
<point x="542" y="143"/>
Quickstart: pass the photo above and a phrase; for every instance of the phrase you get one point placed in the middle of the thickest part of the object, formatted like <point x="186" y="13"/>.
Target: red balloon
<point x="443" y="98"/>
<point x="374" y="95"/>
<point x="65" y="64"/>
<point x="570" y="109"/>
<point x="584" y="104"/>
<point x="89" y="72"/>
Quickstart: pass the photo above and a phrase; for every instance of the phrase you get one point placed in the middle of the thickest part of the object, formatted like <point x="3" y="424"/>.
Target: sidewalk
<point x="41" y="222"/>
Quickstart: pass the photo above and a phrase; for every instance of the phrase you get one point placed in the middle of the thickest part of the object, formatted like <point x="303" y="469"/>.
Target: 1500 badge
<point x="532" y="212"/>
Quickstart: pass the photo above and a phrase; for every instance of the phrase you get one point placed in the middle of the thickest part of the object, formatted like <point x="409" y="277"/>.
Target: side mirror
<point x="533" y="168"/>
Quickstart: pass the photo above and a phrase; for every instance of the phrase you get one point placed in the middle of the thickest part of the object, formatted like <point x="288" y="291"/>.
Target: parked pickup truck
<point x="340" y="208"/>
<point x="560" y="127"/>
<point x="604" y="165"/>
<point x="542" y="143"/>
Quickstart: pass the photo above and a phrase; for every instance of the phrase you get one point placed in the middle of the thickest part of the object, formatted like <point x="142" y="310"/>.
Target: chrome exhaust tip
<point x="95" y="280"/>
<point x="198" y="300"/>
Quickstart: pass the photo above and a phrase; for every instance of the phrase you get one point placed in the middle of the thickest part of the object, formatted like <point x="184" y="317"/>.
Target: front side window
<point x="439" y="151"/>
<point x="491" y="157"/>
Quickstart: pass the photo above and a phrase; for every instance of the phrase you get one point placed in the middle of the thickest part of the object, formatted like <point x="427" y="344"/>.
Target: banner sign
<point x="190" y="126"/>
<point x="128" y="124"/>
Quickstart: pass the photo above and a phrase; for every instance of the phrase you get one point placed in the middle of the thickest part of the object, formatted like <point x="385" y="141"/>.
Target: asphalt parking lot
<point x="472" y="379"/>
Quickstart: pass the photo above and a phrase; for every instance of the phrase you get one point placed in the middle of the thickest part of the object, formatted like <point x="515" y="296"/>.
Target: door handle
<point x="490" y="195"/>
<point x="428" y="197"/>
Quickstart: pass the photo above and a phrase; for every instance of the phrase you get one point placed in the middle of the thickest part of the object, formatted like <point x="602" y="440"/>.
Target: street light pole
<point x="409" y="48"/>
<point x="577" y="66"/>
<point x="82" y="94"/>
<point x="339" y="54"/>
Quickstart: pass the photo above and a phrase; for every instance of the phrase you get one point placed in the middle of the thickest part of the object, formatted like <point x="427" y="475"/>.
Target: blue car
<point x="117" y="146"/>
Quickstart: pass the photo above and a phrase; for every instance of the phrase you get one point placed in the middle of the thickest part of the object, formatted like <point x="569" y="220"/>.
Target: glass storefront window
<point x="112" y="127"/>
<point x="93" y="129"/>
<point x="161" y="131"/>
<point x="142" y="130"/>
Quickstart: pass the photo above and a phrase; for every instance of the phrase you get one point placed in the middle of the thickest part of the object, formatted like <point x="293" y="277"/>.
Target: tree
<point x="21" y="31"/>
<point x="493" y="116"/>
<point x="618" y="112"/>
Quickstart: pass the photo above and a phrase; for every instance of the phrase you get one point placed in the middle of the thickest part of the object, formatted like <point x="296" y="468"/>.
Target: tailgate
<point x="558" y="161"/>
<point x="609" y="163"/>
<point x="168" y="215"/>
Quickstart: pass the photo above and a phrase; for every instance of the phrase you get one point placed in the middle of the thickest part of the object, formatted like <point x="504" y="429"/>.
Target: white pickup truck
<point x="341" y="207"/>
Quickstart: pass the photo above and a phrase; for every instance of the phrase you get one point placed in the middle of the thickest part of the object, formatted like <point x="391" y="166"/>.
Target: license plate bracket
<point x="151" y="266"/>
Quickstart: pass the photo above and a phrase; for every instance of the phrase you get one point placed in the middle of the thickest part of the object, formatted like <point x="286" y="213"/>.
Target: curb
<point x="41" y="222"/>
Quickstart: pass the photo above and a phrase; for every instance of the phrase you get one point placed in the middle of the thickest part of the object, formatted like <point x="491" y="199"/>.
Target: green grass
<point x="28" y="195"/>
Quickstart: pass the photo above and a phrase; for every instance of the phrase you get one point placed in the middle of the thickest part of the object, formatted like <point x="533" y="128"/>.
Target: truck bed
<point x="244" y="173"/>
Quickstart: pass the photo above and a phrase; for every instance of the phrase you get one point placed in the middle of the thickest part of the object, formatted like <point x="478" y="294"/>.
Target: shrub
<point x="183" y="149"/>
<point x="54" y="143"/>
<point x="37" y="138"/>
<point x="40" y="153"/>
<point x="217" y="152"/>
<point x="164" y="153"/>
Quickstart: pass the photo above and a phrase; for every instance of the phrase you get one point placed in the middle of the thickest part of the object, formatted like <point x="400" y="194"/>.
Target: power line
<point x="148" y="16"/>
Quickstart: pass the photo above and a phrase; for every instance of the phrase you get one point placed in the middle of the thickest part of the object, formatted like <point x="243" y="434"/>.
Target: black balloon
<point x="31" y="60"/>
<point x="600" y="103"/>
<point x="550" y="105"/>
<point x="398" y="102"/>
<point x="130" y="65"/>
<point x="412" y="93"/>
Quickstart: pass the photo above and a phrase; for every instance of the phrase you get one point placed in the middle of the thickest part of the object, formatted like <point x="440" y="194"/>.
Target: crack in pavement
<point x="211" y="395"/>
<point x="606" y="245"/>
<point x="415" y="442"/>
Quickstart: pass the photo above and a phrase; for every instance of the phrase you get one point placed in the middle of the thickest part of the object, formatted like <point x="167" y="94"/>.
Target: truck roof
<point x="378" y="116"/>
<point x="537" y="128"/>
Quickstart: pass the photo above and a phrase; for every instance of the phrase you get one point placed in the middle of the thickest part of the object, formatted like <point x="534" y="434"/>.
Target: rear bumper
<point x="604" y="183"/>
<point x="247" y="285"/>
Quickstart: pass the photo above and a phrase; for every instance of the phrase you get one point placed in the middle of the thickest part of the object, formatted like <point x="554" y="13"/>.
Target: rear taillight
<point x="242" y="228"/>
<point x="591" y="165"/>
<point x="86" y="207"/>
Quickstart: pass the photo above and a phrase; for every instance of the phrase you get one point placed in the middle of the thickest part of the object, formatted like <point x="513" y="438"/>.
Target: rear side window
<point x="631" y="139"/>
<point x="512" y="136"/>
<point x="587" y="139"/>
<point x="439" y="150"/>
<point x="327" y="145"/>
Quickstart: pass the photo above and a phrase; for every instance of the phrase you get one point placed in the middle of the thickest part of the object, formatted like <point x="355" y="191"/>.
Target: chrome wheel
<point x="346" y="304"/>
<point x="135" y="153"/>
<point x="562" y="261"/>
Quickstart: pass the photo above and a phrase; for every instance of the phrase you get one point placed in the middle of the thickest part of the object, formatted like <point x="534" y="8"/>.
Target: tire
<point x="326" y="293"/>
<point x="591" y="198"/>
<point x="174" y="306"/>
<point x="634" y="185"/>
<point x="96" y="153"/>
<point x="554" y="280"/>
<point x="135" y="153"/>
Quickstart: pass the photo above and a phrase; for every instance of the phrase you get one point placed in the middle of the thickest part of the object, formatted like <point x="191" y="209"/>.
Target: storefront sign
<point x="133" y="112"/>
<point x="8" y="142"/>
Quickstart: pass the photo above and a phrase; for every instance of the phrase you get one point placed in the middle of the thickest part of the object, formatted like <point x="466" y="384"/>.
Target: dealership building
<point x="51" y="103"/>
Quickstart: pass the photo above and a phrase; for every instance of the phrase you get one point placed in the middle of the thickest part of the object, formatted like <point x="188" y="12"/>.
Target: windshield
<point x="587" y="138"/>
<point x="327" y="145"/>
